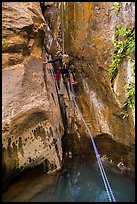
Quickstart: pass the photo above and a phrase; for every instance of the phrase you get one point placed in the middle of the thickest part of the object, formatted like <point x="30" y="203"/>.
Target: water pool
<point x="81" y="182"/>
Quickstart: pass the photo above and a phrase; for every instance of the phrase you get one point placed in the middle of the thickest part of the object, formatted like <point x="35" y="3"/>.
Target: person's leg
<point x="63" y="72"/>
<point x="72" y="79"/>
<point x="57" y="75"/>
<point x="64" y="78"/>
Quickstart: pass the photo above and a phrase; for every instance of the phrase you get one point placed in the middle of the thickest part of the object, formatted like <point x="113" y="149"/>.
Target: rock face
<point x="32" y="122"/>
<point x="37" y="119"/>
<point x="19" y="23"/>
<point x="89" y="35"/>
<point x="33" y="118"/>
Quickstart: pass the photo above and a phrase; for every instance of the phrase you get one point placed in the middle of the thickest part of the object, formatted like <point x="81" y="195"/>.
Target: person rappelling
<point x="63" y="68"/>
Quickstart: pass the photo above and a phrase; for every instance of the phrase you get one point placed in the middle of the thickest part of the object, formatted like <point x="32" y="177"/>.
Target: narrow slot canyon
<point x="54" y="138"/>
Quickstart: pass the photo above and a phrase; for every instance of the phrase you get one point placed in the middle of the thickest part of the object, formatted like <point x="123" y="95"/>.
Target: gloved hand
<point x="45" y="62"/>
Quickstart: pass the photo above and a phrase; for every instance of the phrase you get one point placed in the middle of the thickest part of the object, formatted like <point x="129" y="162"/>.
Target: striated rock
<point x="34" y="116"/>
<point x="89" y="33"/>
<point x="40" y="122"/>
<point x="28" y="135"/>
<point x="19" y="21"/>
<point x="32" y="123"/>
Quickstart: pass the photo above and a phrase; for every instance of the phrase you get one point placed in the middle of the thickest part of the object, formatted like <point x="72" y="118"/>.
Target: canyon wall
<point x="38" y="115"/>
<point x="90" y="31"/>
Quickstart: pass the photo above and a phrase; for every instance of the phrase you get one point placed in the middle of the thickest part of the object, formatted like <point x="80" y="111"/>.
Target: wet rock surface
<point x="89" y="34"/>
<point x="116" y="156"/>
<point x="33" y="187"/>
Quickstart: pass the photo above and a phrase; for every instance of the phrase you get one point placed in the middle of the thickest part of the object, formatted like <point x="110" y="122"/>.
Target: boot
<point x="74" y="82"/>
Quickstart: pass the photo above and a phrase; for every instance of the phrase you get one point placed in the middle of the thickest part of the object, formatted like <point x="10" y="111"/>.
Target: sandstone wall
<point x="89" y="35"/>
<point x="32" y="122"/>
<point x="35" y="116"/>
<point x="39" y="117"/>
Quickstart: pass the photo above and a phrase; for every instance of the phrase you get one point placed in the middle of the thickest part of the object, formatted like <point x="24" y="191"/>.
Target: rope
<point x="104" y="177"/>
<point x="62" y="27"/>
<point x="103" y="174"/>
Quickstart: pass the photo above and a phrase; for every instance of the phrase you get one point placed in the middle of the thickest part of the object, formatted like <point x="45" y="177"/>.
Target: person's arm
<point x="53" y="60"/>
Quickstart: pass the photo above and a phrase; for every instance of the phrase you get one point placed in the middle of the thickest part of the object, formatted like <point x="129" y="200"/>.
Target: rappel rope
<point x="62" y="5"/>
<point x="103" y="174"/>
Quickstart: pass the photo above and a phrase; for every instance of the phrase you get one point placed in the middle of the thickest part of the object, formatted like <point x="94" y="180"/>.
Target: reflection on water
<point x="81" y="182"/>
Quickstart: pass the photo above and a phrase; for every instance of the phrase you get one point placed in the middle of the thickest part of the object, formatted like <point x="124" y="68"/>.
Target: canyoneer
<point x="63" y="68"/>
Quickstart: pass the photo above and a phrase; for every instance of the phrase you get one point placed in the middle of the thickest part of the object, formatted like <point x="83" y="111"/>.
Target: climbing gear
<point x="75" y="82"/>
<point x="38" y="27"/>
<point x="65" y="60"/>
<point x="58" y="52"/>
<point x="103" y="174"/>
<point x="62" y="27"/>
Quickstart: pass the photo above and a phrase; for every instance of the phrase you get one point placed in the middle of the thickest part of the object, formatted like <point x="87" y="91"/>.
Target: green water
<point x="81" y="182"/>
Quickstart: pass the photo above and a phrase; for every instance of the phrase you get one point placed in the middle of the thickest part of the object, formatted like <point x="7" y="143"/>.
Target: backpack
<point x="65" y="60"/>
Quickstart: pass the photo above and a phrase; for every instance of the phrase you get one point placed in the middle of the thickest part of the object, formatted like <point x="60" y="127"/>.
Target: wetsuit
<point x="59" y="59"/>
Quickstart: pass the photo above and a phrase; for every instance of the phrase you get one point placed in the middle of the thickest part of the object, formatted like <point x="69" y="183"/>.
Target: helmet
<point x="58" y="52"/>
